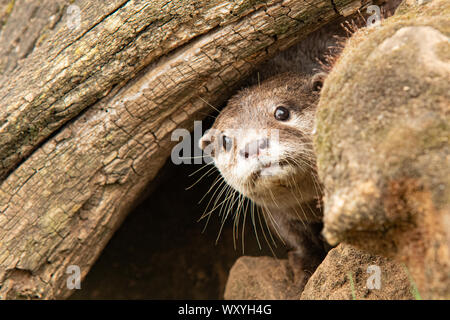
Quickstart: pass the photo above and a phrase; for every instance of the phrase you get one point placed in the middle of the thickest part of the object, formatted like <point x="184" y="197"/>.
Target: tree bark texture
<point x="86" y="113"/>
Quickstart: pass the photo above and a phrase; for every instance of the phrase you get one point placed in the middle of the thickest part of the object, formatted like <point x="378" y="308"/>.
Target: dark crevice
<point x="162" y="251"/>
<point x="335" y="8"/>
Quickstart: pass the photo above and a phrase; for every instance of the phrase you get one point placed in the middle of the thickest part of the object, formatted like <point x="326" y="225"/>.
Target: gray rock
<point x="348" y="273"/>
<point x="383" y="144"/>
<point x="261" y="278"/>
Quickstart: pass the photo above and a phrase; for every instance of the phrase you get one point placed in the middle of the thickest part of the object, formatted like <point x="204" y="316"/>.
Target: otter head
<point x="262" y="141"/>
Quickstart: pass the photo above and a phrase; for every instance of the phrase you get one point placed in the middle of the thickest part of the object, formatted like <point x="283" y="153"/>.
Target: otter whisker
<point x="268" y="228"/>
<point x="302" y="166"/>
<point x="254" y="226"/>
<point x="319" y="188"/>
<point x="264" y="233"/>
<point x="207" y="220"/>
<point x="273" y="198"/>
<point x="236" y="219"/>
<point x="229" y="194"/>
<point x="204" y="175"/>
<point x="219" y="178"/>
<point x="228" y="205"/>
<point x="209" y="104"/>
<point x="199" y="169"/>
<point x="298" y="202"/>
<point x="301" y="161"/>
<point x="311" y="210"/>
<point x="223" y="220"/>
<point x="274" y="223"/>
<point x="194" y="157"/>
<point x="207" y="115"/>
<point x="250" y="202"/>
<point x="306" y="203"/>
<point x="221" y="187"/>
<point x="317" y="185"/>
<point x="216" y="200"/>
<point x="301" y="196"/>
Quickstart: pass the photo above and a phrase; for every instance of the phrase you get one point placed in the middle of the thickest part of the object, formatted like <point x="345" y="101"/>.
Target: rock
<point x="332" y="278"/>
<point x="261" y="278"/>
<point x="383" y="155"/>
<point x="383" y="145"/>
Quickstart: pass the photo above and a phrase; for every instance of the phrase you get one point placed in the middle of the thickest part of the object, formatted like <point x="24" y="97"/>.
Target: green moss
<point x="372" y="87"/>
<point x="436" y="136"/>
<point x="9" y="7"/>
<point x="413" y="286"/>
<point x="6" y="13"/>
<point x="352" y="285"/>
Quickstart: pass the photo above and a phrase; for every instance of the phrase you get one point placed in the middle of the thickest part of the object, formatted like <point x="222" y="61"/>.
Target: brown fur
<point x="290" y="203"/>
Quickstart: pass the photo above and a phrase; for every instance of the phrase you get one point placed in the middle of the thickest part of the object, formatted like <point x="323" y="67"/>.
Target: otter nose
<point x="253" y="148"/>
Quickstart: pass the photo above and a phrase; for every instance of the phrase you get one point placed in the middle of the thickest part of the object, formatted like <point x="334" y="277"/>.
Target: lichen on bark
<point x="86" y="115"/>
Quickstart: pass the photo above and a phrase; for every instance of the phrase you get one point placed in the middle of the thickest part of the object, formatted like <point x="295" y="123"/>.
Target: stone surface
<point x="261" y="278"/>
<point x="383" y="143"/>
<point x="253" y="278"/>
<point x="332" y="278"/>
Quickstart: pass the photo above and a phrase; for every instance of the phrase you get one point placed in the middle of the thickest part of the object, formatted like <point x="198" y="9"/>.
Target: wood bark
<point x="86" y="113"/>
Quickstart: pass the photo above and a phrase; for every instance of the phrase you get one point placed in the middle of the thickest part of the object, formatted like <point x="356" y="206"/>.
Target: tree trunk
<point x="87" y="111"/>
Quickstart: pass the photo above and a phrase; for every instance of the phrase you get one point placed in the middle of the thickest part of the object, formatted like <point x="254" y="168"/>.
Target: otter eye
<point x="281" y="114"/>
<point x="226" y="143"/>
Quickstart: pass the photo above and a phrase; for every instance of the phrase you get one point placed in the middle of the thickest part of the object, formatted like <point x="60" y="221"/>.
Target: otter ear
<point x="317" y="81"/>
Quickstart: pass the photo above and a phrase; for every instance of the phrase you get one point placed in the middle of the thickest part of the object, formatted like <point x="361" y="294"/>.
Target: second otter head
<point x="262" y="140"/>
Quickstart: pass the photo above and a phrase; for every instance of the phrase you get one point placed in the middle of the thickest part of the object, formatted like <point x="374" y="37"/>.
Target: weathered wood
<point x="86" y="115"/>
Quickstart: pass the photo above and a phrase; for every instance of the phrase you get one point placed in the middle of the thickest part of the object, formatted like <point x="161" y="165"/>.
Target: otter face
<point x="261" y="141"/>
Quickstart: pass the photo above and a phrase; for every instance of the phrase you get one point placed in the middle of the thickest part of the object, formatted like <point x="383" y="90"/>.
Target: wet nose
<point x="253" y="148"/>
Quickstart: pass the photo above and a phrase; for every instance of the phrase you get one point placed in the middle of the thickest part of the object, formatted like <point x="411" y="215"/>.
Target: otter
<point x="261" y="143"/>
<point x="277" y="171"/>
